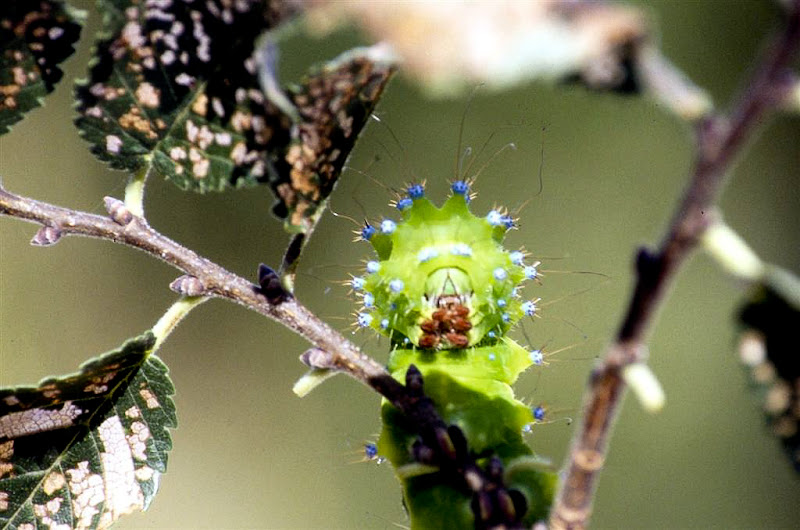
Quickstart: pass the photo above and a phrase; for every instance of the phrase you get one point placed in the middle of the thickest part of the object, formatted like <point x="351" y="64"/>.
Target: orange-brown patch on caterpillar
<point x="449" y="322"/>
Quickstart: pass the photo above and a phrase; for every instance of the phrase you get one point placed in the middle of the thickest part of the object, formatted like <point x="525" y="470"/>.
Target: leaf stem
<point x="173" y="316"/>
<point x="134" y="191"/>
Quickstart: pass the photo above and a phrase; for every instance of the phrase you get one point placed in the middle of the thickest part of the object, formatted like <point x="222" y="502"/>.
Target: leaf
<point x="173" y="87"/>
<point x="334" y="102"/>
<point x="768" y="348"/>
<point x="35" y="36"/>
<point x="82" y="450"/>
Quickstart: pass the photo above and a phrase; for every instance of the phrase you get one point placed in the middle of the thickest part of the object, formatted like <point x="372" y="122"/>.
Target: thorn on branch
<point x="188" y="285"/>
<point x="647" y="263"/>
<point x="46" y="236"/>
<point x="270" y="285"/>
<point x="118" y="212"/>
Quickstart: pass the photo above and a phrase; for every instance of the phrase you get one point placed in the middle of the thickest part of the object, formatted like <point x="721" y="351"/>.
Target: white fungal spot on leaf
<point x="113" y="144"/>
<point x="148" y="96"/>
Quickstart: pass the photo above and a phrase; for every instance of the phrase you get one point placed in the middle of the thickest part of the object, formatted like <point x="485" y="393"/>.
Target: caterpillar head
<point x="442" y="279"/>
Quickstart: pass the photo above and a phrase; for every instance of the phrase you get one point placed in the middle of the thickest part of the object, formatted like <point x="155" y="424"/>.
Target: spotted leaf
<point x="334" y="102"/>
<point x="82" y="450"/>
<point x="173" y="86"/>
<point x="35" y="37"/>
<point x="768" y="348"/>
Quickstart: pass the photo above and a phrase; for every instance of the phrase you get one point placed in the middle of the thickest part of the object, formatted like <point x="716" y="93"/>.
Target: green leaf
<point x="35" y="36"/>
<point x="334" y="102"/>
<point x="173" y="86"/>
<point x="85" y="449"/>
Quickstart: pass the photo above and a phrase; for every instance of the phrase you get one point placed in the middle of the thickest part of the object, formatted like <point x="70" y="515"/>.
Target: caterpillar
<point x="446" y="293"/>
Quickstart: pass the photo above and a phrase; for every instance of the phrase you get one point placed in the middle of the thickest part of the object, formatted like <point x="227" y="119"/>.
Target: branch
<point x="207" y="278"/>
<point x="719" y="139"/>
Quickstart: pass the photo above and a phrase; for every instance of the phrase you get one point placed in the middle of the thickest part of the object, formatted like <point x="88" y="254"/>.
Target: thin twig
<point x="719" y="139"/>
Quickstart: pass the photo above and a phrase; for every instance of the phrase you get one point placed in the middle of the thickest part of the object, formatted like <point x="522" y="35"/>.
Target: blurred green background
<point x="250" y="454"/>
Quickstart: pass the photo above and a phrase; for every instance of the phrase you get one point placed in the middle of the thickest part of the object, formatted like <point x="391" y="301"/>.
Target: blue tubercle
<point x="416" y="191"/>
<point x="495" y="218"/>
<point x="367" y="232"/>
<point x="404" y="203"/>
<point x="460" y="187"/>
<point x="536" y="357"/>
<point x="529" y="308"/>
<point x="357" y="283"/>
<point x="538" y="413"/>
<point x="369" y="300"/>
<point x="364" y="319"/>
<point x="388" y="226"/>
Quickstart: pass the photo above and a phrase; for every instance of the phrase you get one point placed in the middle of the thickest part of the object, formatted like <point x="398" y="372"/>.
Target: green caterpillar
<point x="446" y="293"/>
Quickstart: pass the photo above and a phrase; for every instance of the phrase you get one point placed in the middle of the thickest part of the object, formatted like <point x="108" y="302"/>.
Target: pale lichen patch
<point x="113" y="144"/>
<point x="122" y="492"/>
<point x="149" y="398"/>
<point x="200" y="168"/>
<point x="6" y="450"/>
<point x="219" y="109"/>
<point x="184" y="79"/>
<point x="177" y="153"/>
<point x="200" y="105"/>
<point x="144" y="473"/>
<point x="53" y="505"/>
<point x="137" y="440"/>
<point x="94" y="112"/>
<point x="223" y="138"/>
<point x="133" y="120"/>
<point x="50" y="391"/>
<point x="87" y="492"/>
<point x="38" y="420"/>
<point x="191" y="131"/>
<point x="204" y="137"/>
<point x="133" y="412"/>
<point x="238" y="153"/>
<point x="19" y="76"/>
<point x="148" y="96"/>
<point x="3" y="501"/>
<point x="53" y="482"/>
<point x="5" y="469"/>
<point x="240" y="121"/>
